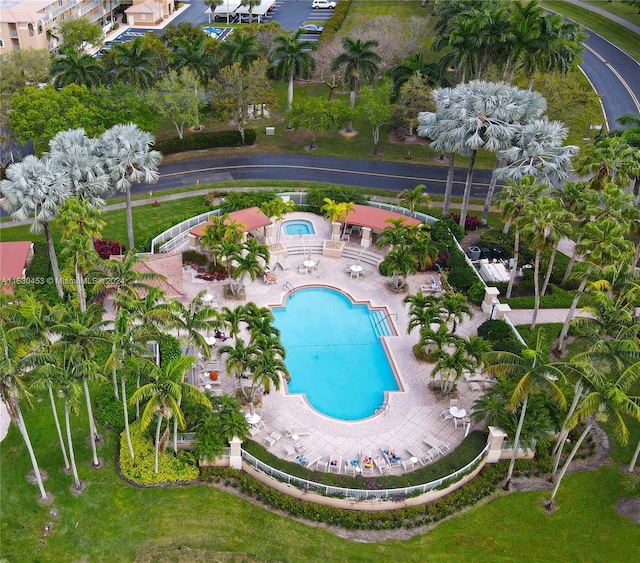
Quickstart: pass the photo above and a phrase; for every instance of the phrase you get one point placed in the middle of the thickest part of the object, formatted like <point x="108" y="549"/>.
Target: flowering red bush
<point x="471" y="223"/>
<point x="106" y="248"/>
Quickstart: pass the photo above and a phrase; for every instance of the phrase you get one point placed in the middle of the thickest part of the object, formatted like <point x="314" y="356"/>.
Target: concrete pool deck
<point x="412" y="413"/>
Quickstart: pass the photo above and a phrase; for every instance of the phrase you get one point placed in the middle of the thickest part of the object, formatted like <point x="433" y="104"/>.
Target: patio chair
<point x="381" y="463"/>
<point x="283" y="263"/>
<point x="454" y="403"/>
<point x="307" y="460"/>
<point x="423" y="457"/>
<point x="432" y="442"/>
<point x="445" y="415"/>
<point x="300" y="431"/>
<point x="352" y="467"/>
<point x="322" y="465"/>
<point x="335" y="464"/>
<point x="254" y="431"/>
<point x="289" y="450"/>
<point x="367" y="464"/>
<point x="302" y="269"/>
<point x="392" y="459"/>
<point x="272" y="438"/>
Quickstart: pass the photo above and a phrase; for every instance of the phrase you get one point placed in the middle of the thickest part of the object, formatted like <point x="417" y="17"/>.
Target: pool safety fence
<point x="378" y="495"/>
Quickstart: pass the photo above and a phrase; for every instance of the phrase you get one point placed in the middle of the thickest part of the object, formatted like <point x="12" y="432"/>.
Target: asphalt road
<point x="395" y="176"/>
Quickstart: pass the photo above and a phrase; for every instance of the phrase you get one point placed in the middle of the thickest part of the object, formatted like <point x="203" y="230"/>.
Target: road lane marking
<point x="317" y="168"/>
<point x="627" y="87"/>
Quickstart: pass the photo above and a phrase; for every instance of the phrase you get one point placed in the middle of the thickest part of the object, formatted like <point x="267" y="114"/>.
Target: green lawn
<point x="617" y="34"/>
<point x="113" y="521"/>
<point x="619" y="8"/>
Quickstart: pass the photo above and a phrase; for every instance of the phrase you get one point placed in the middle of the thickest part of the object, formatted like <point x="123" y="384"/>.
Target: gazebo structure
<point x="250" y="219"/>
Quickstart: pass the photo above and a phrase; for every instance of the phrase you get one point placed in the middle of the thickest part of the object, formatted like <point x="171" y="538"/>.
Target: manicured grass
<point x="112" y="521"/>
<point x="617" y="34"/>
<point x="619" y="8"/>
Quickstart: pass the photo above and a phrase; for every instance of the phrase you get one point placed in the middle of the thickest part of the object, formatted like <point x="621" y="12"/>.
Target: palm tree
<point x="536" y="151"/>
<point x="72" y="67"/>
<point x="436" y="340"/>
<point x="197" y="54"/>
<point x="532" y="372"/>
<point x="611" y="159"/>
<point x="133" y="63"/>
<point x="13" y="389"/>
<point x="213" y="4"/>
<point x="450" y="367"/>
<point x="128" y="158"/>
<point x="454" y="308"/>
<point x="417" y="62"/>
<point x="336" y="211"/>
<point x="164" y="394"/>
<point x="607" y="399"/>
<point x="412" y="199"/>
<point x="292" y="60"/>
<point x="251" y="4"/>
<point x="195" y="319"/>
<point x="277" y="208"/>
<point x="237" y="359"/>
<point x="545" y="222"/>
<point x="249" y="259"/>
<point x="30" y="314"/>
<point x="82" y="331"/>
<point x="515" y="198"/>
<point x="523" y="35"/>
<point x="34" y="189"/>
<point x="79" y="157"/>
<point x="240" y="48"/>
<point x="360" y="65"/>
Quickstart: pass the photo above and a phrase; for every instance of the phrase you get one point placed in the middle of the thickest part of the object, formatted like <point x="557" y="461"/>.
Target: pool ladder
<point x="287" y="286"/>
<point x="383" y="407"/>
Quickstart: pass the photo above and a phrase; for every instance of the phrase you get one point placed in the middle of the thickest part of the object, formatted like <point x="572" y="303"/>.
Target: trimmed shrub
<point x="476" y="293"/>
<point x="107" y="248"/>
<point x="557" y="299"/>
<point x="171" y="468"/>
<point x="169" y="348"/>
<point x="194" y="257"/>
<point x="441" y="233"/>
<point x="334" y="23"/>
<point x="205" y="140"/>
<point x="495" y="331"/>
<point x="471" y="222"/>
<point x="234" y="201"/>
<point x="109" y="411"/>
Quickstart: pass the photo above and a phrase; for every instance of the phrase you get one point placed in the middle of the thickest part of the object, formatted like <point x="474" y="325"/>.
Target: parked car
<point x="312" y="28"/>
<point x="323" y="5"/>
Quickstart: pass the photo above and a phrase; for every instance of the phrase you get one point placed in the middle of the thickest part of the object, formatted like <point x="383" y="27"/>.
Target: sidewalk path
<point x="621" y="21"/>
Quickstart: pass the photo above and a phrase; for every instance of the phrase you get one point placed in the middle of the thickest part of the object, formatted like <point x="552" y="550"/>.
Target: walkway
<point x="613" y="17"/>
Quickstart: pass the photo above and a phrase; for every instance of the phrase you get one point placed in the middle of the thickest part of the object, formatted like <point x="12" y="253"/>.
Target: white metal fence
<point x="363" y="494"/>
<point x="178" y="233"/>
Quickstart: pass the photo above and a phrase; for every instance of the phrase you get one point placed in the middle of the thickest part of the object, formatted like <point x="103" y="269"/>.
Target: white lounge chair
<point x="289" y="450"/>
<point x="322" y="465"/>
<point x="367" y="464"/>
<point x="298" y="431"/>
<point x="423" y="457"/>
<point x="272" y="438"/>
<point x="441" y="446"/>
<point x="393" y="461"/>
<point x="335" y="464"/>
<point x="407" y="464"/>
<point x="307" y="460"/>
<point x="381" y="463"/>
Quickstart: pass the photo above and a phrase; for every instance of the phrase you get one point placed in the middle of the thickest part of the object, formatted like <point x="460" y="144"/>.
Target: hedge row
<point x="558" y="298"/>
<point x="480" y="487"/>
<point x="466" y="452"/>
<point x="205" y="140"/>
<point x="334" y="23"/>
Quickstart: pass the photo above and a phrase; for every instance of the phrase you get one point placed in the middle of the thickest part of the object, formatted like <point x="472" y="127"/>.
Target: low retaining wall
<point x="364" y="506"/>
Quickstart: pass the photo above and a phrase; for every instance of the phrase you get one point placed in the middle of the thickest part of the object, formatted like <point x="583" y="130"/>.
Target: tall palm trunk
<point x="566" y="463"/>
<point x="490" y="192"/>
<point x="72" y="456"/>
<point x="58" y="429"/>
<point x="126" y="416"/>
<point x="572" y="310"/>
<point x="155" y="462"/>
<point x="467" y="189"/>
<point x="572" y="260"/>
<point x="130" y="219"/>
<point x="54" y="261"/>
<point x="175" y="429"/>
<point x="514" y="268"/>
<point x="19" y="422"/>
<point x="82" y="296"/>
<point x="536" y="289"/>
<point x="549" y="270"/>
<point x="632" y="464"/>
<point x="449" y="186"/>
<point x="564" y="433"/>
<point x="114" y="375"/>
<point x="92" y="423"/>
<point x="516" y="442"/>
<point x="352" y="104"/>
<point x="138" y="402"/>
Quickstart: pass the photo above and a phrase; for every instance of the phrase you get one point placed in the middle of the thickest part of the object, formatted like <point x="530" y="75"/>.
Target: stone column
<point x="335" y="231"/>
<point x="495" y="439"/>
<point x="365" y="240"/>
<point x="269" y="236"/>
<point x="502" y="311"/>
<point x="235" y="457"/>
<point x="490" y="293"/>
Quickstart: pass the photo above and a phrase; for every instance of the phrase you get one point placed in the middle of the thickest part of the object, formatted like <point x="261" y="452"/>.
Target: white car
<point x="323" y="4"/>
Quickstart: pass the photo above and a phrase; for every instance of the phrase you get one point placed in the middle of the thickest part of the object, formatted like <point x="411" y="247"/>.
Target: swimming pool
<point x="298" y="227"/>
<point x="334" y="354"/>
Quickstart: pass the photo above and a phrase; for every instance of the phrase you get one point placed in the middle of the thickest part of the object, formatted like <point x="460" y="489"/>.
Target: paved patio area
<point x="412" y="413"/>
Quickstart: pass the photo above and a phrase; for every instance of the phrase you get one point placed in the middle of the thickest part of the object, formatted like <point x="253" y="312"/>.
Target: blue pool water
<point x="298" y="227"/>
<point x="333" y="353"/>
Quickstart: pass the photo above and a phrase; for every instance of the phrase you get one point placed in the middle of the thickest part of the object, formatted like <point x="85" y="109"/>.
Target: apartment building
<point x="30" y="24"/>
